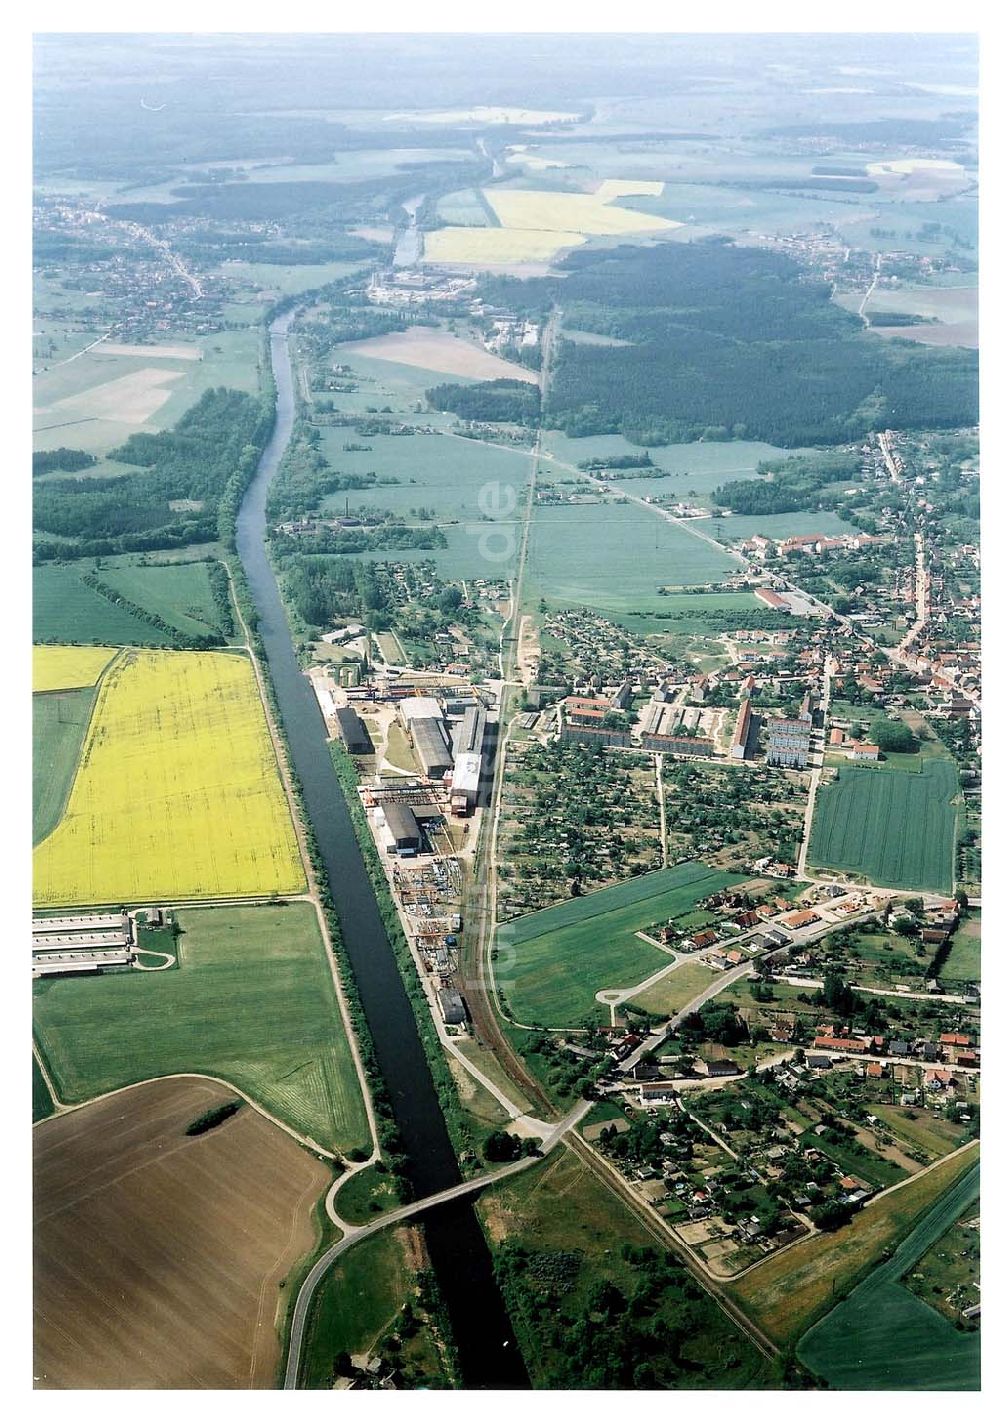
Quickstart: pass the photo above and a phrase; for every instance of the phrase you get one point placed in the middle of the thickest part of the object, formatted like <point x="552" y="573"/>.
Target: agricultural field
<point x="468" y="207"/>
<point x="550" y="964"/>
<point x="361" y="1301"/>
<point x="893" y="827"/>
<point x="438" y="351"/>
<point x="883" y="1337"/>
<point x="59" y="721"/>
<point x="612" y="558"/>
<point x="620" y="1313"/>
<point x="67" y="667"/>
<point x="160" y="1257"/>
<point x="455" y="244"/>
<point x="535" y="225"/>
<point x="177" y="795"/>
<point x="97" y="401"/>
<point x="64" y="608"/>
<point x="788" y="1293"/>
<point x="180" y="593"/>
<point x="250" y="1000"/>
<point x="575" y="212"/>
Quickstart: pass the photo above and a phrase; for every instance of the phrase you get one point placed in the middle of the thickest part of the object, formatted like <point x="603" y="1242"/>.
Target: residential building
<point x="788" y="742"/>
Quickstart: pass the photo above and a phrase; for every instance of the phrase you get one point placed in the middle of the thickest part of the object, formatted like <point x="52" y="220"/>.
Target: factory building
<point x="402" y="829"/>
<point x="743" y="738"/>
<point x="431" y="743"/>
<point x="419" y="707"/>
<point x="788" y="742"/>
<point x="465" y="783"/>
<point x="452" y="1005"/>
<point x="353" y="731"/>
<point x="469" y="730"/>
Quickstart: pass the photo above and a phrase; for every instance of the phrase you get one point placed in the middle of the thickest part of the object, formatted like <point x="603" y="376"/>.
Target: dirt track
<point x="158" y="1256"/>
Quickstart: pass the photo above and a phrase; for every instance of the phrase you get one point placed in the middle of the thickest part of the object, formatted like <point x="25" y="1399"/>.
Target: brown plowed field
<point x="158" y="1256"/>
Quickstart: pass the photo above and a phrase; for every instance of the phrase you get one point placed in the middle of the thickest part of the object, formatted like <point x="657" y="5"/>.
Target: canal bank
<point x="485" y="1346"/>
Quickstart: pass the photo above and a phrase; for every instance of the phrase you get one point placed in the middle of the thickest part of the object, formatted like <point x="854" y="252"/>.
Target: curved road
<point x="354" y="1236"/>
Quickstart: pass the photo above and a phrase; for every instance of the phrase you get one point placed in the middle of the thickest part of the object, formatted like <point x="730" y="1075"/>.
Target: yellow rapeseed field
<point x="611" y="189"/>
<point x="574" y="211"/>
<point x="68" y="667"/>
<point x="466" y="244"/>
<point x="177" y="794"/>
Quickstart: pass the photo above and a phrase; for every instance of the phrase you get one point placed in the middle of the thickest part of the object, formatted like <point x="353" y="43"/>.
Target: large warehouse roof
<point x="419" y="707"/>
<point x="468" y="732"/>
<point x="431" y="745"/>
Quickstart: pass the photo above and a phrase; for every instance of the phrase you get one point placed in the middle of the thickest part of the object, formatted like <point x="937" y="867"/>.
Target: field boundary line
<point x="300" y="1137"/>
<point x="96" y="688"/>
<point x="277" y="744"/>
<point x="57" y="1102"/>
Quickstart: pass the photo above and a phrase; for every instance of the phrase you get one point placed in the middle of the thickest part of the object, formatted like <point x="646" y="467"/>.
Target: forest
<point x="503" y="399"/>
<point x="187" y="467"/>
<point x="800" y="482"/>
<point x="44" y="461"/>
<point x="730" y="342"/>
<point x="324" y="202"/>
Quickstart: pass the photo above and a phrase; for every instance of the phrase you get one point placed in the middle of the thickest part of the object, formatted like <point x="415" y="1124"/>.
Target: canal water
<point x="488" y="1355"/>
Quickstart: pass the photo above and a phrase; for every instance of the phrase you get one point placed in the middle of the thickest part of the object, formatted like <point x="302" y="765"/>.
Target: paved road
<point x="817" y="770"/>
<point x="407" y="1211"/>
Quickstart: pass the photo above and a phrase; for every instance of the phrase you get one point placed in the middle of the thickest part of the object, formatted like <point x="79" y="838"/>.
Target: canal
<point x="487" y="1353"/>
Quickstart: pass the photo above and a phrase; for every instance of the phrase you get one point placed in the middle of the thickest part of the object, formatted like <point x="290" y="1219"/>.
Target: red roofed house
<point x="842" y="1045"/>
<point x="795" y="920"/>
<point x="867" y="752"/>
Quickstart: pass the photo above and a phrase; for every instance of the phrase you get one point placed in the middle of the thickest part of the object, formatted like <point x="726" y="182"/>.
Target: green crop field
<point x="180" y="593"/>
<point x="251" y="1001"/>
<point x="108" y="396"/>
<point x="65" y="609"/>
<point x="894" y="827"/>
<point x="613" y="557"/>
<point x="41" y="1102"/>
<point x="550" y="964"/>
<point x="883" y="1337"/>
<point x="59" y="721"/>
